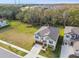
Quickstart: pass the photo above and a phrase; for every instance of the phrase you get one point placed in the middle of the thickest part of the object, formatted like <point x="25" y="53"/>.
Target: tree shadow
<point x="58" y="46"/>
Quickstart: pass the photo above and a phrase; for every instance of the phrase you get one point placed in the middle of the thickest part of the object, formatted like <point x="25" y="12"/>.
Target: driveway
<point x="34" y="51"/>
<point x="66" y="51"/>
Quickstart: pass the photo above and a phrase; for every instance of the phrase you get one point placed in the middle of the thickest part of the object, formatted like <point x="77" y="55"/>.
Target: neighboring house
<point x="3" y="23"/>
<point x="71" y="38"/>
<point x="47" y="35"/>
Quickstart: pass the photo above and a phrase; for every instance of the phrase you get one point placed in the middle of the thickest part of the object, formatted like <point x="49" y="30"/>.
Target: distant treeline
<point x="42" y="16"/>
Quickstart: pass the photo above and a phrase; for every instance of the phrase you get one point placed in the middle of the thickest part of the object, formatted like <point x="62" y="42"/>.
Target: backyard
<point x="19" y="34"/>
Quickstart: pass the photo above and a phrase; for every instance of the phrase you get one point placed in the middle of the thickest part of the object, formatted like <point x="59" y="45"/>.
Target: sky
<point x="38" y="1"/>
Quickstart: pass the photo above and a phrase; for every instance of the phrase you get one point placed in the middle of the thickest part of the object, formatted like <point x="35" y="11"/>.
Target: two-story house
<point x="47" y="35"/>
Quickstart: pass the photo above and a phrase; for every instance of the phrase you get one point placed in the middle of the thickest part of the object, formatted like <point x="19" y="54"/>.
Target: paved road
<point x="34" y="51"/>
<point x="6" y="54"/>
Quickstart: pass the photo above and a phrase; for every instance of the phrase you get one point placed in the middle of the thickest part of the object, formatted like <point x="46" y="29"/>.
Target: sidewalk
<point x="18" y="48"/>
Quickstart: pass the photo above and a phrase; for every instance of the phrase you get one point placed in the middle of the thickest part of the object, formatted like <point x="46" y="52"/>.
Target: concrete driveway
<point x="34" y="51"/>
<point x="66" y="51"/>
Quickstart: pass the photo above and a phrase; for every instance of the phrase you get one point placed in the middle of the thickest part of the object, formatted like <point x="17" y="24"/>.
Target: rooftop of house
<point x="52" y="32"/>
<point x="70" y="29"/>
<point x="73" y="31"/>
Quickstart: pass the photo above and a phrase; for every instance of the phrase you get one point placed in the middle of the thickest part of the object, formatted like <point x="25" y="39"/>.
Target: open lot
<point x="19" y="34"/>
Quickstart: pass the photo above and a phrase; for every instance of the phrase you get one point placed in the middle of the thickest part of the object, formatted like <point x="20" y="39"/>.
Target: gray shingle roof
<point x="52" y="32"/>
<point x="74" y="32"/>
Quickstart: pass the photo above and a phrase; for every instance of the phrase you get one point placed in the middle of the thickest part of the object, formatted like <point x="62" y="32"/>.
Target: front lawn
<point x="19" y="34"/>
<point x="54" y="54"/>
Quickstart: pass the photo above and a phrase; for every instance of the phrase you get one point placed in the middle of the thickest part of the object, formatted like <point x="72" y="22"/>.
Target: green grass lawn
<point x="54" y="54"/>
<point x="19" y="34"/>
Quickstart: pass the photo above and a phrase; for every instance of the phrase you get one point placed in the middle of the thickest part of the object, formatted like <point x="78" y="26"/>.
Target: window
<point x="67" y="36"/>
<point x="51" y="42"/>
<point x="65" y="43"/>
<point x="37" y="36"/>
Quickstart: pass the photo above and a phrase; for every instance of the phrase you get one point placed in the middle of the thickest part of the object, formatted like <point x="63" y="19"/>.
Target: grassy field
<point x="54" y="54"/>
<point x="19" y="34"/>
